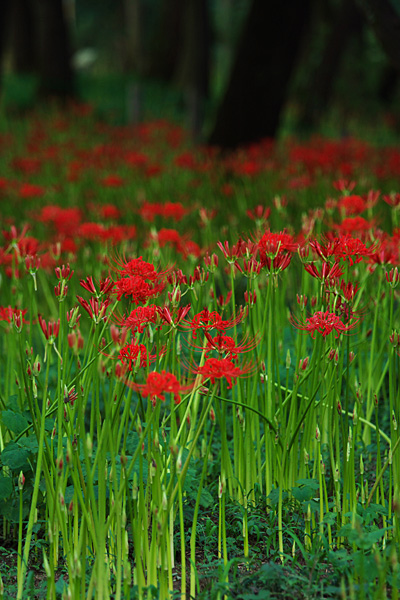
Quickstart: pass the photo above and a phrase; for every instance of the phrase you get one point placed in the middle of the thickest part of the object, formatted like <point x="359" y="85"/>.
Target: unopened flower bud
<point x="89" y="444"/>
<point x="394" y="421"/>
<point x="303" y="363"/>
<point x="21" y="481"/>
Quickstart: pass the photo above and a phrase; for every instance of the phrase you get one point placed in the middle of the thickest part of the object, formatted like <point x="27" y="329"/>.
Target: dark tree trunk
<point x="388" y="84"/>
<point x="22" y="38"/>
<point x="347" y="22"/>
<point x="384" y="18"/>
<point x="193" y="71"/>
<point x="133" y="25"/>
<point x="166" y="41"/>
<point x="266" y="56"/>
<point x="56" y="79"/>
<point x="3" y="33"/>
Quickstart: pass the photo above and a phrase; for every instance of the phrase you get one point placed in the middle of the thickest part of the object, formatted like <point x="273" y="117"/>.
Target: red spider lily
<point x="344" y="247"/>
<point x="251" y="268"/>
<point x="207" y="215"/>
<point x="177" y="278"/>
<point x="105" y="286"/>
<point x="159" y="384"/>
<point x="91" y="231"/>
<point x="199" y="275"/>
<point x="211" y="262"/>
<point x="352" y="205"/>
<point x="343" y="185"/>
<point x="349" y="290"/>
<point x="61" y="290"/>
<point x="221" y="301"/>
<point x="118" y="336"/>
<point x="227" y="347"/>
<point x="393" y="277"/>
<point x="170" y="210"/>
<point x="206" y="320"/>
<point x="27" y="165"/>
<point x="327" y="270"/>
<point x="139" y="318"/>
<point x="272" y="244"/>
<point x="7" y="313"/>
<point x="137" y="267"/>
<point x="64" y="272"/>
<point x="50" y="330"/>
<point x="112" y="181"/>
<point x="343" y="298"/>
<point x="355" y="225"/>
<point x="279" y="263"/>
<point x="136" y="355"/>
<point x="231" y="254"/>
<point x="30" y="190"/>
<point x="137" y="289"/>
<point x="70" y="397"/>
<point x="75" y="341"/>
<point x="259" y="213"/>
<point x="176" y="317"/>
<point x="392" y="199"/>
<point x="139" y="280"/>
<point x="222" y="368"/>
<point x="323" y="323"/>
<point x="250" y="298"/>
<point x="73" y="317"/>
<point x="107" y="211"/>
<point x="32" y="263"/>
<point x="352" y="249"/>
<point x="65" y="220"/>
<point x="96" y="307"/>
<point x="118" y="233"/>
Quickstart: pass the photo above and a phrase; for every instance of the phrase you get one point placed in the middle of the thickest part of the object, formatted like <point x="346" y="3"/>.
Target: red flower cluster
<point x="139" y="318"/>
<point x="169" y="210"/>
<point x="135" y="354"/>
<point x="206" y="320"/>
<point x="323" y="323"/>
<point x="159" y="384"/>
<point x="7" y="313"/>
<point x="221" y="368"/>
<point x="139" y="281"/>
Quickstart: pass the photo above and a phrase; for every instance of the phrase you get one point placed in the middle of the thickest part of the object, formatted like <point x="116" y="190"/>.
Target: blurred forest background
<point x="232" y="71"/>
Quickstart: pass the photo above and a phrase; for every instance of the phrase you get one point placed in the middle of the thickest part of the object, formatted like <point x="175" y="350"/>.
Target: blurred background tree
<point x="234" y="71"/>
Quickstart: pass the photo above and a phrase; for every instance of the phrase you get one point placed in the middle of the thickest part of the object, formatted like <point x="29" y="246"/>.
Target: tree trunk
<point x="266" y="56"/>
<point x="166" y="41"/>
<point x="347" y="21"/>
<point x="388" y="84"/>
<point x="384" y="18"/>
<point x="3" y="34"/>
<point x="54" y="68"/>
<point x="22" y="38"/>
<point x="193" y="71"/>
<point x="134" y="59"/>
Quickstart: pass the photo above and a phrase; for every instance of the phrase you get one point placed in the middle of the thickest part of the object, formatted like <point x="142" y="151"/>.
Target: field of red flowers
<point x="200" y="364"/>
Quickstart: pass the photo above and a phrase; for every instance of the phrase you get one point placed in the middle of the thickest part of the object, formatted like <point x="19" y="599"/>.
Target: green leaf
<point x="206" y="499"/>
<point x="6" y="487"/>
<point x="15" y="422"/>
<point x="330" y="518"/>
<point x="60" y="585"/>
<point x="14" y="457"/>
